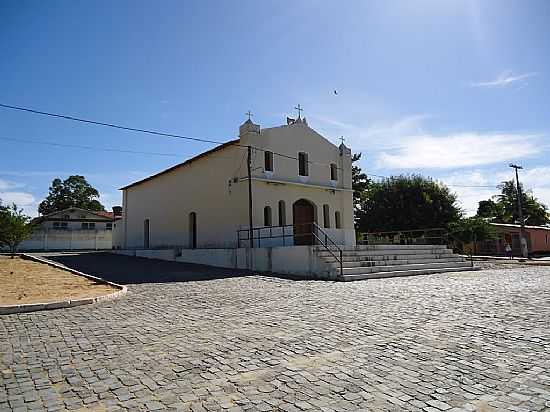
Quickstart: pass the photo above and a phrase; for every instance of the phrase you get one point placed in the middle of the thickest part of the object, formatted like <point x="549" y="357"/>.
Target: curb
<point x="32" y="307"/>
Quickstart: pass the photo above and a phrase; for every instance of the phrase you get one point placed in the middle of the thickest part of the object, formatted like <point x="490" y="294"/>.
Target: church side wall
<point x="202" y="187"/>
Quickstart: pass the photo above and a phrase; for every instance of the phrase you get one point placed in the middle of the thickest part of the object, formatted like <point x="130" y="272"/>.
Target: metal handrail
<point x="325" y="244"/>
<point x="324" y="240"/>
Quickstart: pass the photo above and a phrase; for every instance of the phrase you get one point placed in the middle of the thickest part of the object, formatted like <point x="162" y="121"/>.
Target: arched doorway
<point x="303" y="216"/>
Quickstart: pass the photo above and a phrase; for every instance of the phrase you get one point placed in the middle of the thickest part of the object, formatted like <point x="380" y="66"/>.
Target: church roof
<point x="186" y="163"/>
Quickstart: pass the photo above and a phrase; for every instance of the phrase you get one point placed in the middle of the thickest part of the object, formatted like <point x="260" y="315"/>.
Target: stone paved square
<point x="449" y="342"/>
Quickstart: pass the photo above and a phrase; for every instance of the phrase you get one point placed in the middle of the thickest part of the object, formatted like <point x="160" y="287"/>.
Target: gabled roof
<point x="186" y="163"/>
<point x="101" y="214"/>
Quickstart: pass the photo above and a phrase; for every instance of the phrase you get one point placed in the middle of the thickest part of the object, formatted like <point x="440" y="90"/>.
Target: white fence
<point x="52" y="239"/>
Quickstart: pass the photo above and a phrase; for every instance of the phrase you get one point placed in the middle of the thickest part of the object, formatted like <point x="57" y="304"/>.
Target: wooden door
<point x="302" y="219"/>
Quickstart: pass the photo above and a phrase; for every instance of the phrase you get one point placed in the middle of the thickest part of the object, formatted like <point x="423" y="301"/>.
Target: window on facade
<point x="109" y="226"/>
<point x="193" y="230"/>
<point x="88" y="225"/>
<point x="60" y="225"/>
<point x="326" y="216"/>
<point x="303" y="164"/>
<point x="268" y="161"/>
<point x="282" y="213"/>
<point x="333" y="172"/>
<point x="66" y="217"/>
<point x="267" y="216"/>
<point x="337" y="220"/>
<point x="83" y="216"/>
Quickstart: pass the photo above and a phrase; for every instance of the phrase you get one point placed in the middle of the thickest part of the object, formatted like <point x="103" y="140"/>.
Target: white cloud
<point x="23" y="200"/>
<point x="536" y="179"/>
<point x="7" y="185"/>
<point x="469" y="197"/>
<point x="459" y="150"/>
<point x="504" y="79"/>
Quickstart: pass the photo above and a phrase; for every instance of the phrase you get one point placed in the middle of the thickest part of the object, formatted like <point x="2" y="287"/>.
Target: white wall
<point x="50" y="239"/>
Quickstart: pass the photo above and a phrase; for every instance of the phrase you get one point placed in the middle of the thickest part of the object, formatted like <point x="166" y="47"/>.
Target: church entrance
<point x="303" y="217"/>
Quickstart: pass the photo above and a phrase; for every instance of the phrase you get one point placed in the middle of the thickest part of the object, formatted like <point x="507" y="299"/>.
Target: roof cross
<point x="300" y="110"/>
<point x="342" y="139"/>
<point x="249" y="114"/>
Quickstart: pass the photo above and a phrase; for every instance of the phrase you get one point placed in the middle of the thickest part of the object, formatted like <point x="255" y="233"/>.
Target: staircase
<point x="382" y="261"/>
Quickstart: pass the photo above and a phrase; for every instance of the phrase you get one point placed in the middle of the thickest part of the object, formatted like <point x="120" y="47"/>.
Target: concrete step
<point x="385" y="247"/>
<point x="399" y="262"/>
<point x="399" y="273"/>
<point x="388" y="258"/>
<point x="393" y="268"/>
<point x="390" y="254"/>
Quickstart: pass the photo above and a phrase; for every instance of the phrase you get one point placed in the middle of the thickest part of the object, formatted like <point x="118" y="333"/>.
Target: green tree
<point x="489" y="209"/>
<point x="15" y="227"/>
<point x="504" y="209"/>
<point x="360" y="184"/>
<point x="74" y="191"/>
<point x="470" y="229"/>
<point x="407" y="203"/>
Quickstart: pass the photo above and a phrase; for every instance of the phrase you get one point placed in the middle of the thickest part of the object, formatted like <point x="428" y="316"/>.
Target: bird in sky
<point x="335" y="92"/>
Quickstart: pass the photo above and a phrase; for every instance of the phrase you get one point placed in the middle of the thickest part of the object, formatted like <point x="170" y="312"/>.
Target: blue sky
<point x="451" y="89"/>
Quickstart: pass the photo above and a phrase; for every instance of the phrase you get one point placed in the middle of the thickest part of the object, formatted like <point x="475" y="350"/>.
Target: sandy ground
<point x="25" y="281"/>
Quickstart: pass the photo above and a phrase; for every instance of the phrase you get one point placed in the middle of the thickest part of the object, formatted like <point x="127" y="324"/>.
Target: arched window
<point x="303" y="164"/>
<point x="282" y="213"/>
<point x="337" y="220"/>
<point x="326" y="216"/>
<point x="333" y="172"/>
<point x="193" y="230"/>
<point x="268" y="161"/>
<point x="267" y="216"/>
<point x="146" y="234"/>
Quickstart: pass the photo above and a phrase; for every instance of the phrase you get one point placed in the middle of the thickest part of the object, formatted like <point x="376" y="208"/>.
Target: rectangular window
<point x="326" y="216"/>
<point x="333" y="172"/>
<point x="268" y="161"/>
<point x="109" y="226"/>
<point x="88" y="226"/>
<point x="303" y="164"/>
<point x="60" y="225"/>
<point x="337" y="220"/>
<point x="267" y="216"/>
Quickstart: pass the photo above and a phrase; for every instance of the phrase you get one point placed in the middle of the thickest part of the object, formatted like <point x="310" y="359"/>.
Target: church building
<point x="299" y="182"/>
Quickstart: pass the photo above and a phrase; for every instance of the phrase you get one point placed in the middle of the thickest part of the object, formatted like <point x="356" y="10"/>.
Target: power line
<point x="147" y="131"/>
<point x="116" y="126"/>
<point x="450" y="185"/>
<point x="105" y="149"/>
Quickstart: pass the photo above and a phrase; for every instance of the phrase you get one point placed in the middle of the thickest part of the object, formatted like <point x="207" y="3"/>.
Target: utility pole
<point x="522" y="239"/>
<point x="249" y="167"/>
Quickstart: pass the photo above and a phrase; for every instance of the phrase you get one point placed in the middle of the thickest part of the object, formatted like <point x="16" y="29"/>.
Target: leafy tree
<point x="407" y="203"/>
<point x="74" y="191"/>
<point x="15" y="227"/>
<point x="505" y="208"/>
<point x="489" y="209"/>
<point x="360" y="183"/>
<point x="471" y="229"/>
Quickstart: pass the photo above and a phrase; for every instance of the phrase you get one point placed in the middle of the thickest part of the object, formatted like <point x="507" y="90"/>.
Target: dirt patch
<point x="24" y="281"/>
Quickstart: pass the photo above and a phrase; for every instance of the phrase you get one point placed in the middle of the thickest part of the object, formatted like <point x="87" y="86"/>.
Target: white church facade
<point x="299" y="181"/>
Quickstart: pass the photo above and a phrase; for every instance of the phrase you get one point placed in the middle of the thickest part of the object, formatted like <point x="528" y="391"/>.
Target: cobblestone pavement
<point x="450" y="342"/>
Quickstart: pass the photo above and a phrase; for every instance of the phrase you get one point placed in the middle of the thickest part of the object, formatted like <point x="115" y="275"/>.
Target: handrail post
<point x="341" y="264"/>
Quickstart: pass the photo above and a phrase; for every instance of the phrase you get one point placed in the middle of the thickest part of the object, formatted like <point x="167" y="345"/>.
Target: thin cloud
<point x="459" y="150"/>
<point x="505" y="79"/>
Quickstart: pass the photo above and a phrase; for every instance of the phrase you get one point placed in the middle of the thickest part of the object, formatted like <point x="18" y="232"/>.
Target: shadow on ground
<point x="128" y="269"/>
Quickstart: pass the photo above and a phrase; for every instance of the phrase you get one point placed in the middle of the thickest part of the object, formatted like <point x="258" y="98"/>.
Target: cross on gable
<point x="249" y="114"/>
<point x="342" y="139"/>
<point x="300" y="110"/>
